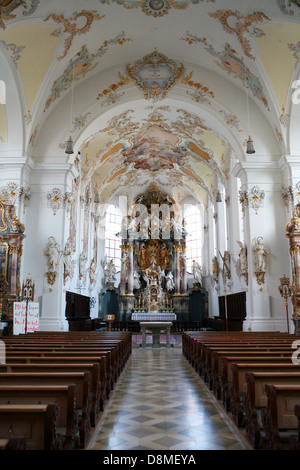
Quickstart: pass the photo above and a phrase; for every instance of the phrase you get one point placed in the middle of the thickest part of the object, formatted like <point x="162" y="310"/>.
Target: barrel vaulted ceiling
<point x="152" y="91"/>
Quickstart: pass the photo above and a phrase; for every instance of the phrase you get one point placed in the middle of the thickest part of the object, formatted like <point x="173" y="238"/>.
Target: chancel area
<point x="149" y="221"/>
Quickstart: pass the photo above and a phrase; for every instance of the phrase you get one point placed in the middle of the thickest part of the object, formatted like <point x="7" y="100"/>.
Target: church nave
<point x="161" y="404"/>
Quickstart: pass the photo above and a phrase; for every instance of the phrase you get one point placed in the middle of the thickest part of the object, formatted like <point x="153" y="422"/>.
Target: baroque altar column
<point x="130" y="270"/>
<point x="177" y="269"/>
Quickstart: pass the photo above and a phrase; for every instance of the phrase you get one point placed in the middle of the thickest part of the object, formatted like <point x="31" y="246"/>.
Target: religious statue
<point x="260" y="255"/>
<point x="136" y="280"/>
<point x="160" y="274"/>
<point x="169" y="281"/>
<point x="196" y="268"/>
<point x="93" y="272"/>
<point x="68" y="262"/>
<point x="215" y="269"/>
<point x="243" y="257"/>
<point x="146" y="276"/>
<point x="110" y="272"/>
<point x="82" y="262"/>
<point x="53" y="253"/>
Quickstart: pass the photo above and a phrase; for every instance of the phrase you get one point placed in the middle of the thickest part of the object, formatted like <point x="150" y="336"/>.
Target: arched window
<point x="112" y="241"/>
<point x="193" y="228"/>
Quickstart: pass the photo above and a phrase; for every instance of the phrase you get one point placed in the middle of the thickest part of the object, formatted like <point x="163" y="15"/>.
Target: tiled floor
<point x="161" y="404"/>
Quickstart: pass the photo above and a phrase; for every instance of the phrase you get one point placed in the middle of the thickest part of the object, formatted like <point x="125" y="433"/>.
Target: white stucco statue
<point x="260" y="255"/>
<point x="67" y="258"/>
<point x="197" y="272"/>
<point x="53" y="254"/>
<point x="82" y="262"/>
<point x="136" y="280"/>
<point x="110" y="272"/>
<point x="169" y="281"/>
<point x="243" y="257"/>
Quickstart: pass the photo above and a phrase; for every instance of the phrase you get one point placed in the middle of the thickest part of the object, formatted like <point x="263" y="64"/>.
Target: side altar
<point x="153" y="278"/>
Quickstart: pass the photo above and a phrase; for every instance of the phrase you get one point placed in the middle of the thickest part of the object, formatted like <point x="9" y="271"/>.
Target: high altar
<point x="153" y="283"/>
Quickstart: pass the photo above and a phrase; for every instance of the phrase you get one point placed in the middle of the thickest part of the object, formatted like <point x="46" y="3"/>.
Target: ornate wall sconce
<point x="55" y="199"/>
<point x="256" y="198"/>
<point x="25" y="196"/>
<point x="58" y="199"/>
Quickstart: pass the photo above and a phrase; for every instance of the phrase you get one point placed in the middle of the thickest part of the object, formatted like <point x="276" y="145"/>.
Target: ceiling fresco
<point x="158" y="85"/>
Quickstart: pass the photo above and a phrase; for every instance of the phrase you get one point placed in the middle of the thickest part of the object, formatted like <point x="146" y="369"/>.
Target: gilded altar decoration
<point x="256" y="198"/>
<point x="285" y="292"/>
<point x="243" y="261"/>
<point x="155" y="74"/>
<point x="53" y="255"/>
<point x="260" y="260"/>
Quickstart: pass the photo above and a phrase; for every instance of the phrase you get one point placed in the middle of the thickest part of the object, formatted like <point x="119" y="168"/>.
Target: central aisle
<point x="161" y="404"/>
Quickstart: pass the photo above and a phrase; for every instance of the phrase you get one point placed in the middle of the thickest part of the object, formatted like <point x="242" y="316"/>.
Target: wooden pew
<point x="92" y="368"/>
<point x="63" y="359"/>
<point x="238" y="386"/>
<point x="63" y="395"/>
<point x="82" y="381"/>
<point x="226" y="376"/>
<point x="279" y="419"/>
<point x="255" y="400"/>
<point x="218" y="376"/>
<point x="37" y="423"/>
<point x="104" y="359"/>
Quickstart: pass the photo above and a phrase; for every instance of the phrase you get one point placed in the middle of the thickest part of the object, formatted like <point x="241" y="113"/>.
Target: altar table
<point x="156" y="327"/>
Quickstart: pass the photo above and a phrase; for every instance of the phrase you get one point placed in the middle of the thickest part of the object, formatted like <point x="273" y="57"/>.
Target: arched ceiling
<point x="153" y="91"/>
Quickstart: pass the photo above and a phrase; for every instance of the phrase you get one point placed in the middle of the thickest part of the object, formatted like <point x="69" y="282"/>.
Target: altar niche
<point x="153" y="283"/>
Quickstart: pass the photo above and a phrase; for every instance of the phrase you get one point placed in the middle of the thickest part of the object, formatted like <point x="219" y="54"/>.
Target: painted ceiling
<point x="152" y="91"/>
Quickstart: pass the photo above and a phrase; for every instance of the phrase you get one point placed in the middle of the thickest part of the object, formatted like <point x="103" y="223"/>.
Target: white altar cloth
<point x="154" y="316"/>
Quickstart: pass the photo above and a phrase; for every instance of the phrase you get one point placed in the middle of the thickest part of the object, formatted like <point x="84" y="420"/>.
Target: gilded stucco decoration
<point x="157" y="8"/>
<point x="70" y="26"/>
<point x="289" y="7"/>
<point x="243" y="24"/>
<point x="256" y="198"/>
<point x="230" y="62"/>
<point x="155" y="74"/>
<point x="82" y="63"/>
<point x="8" y="8"/>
